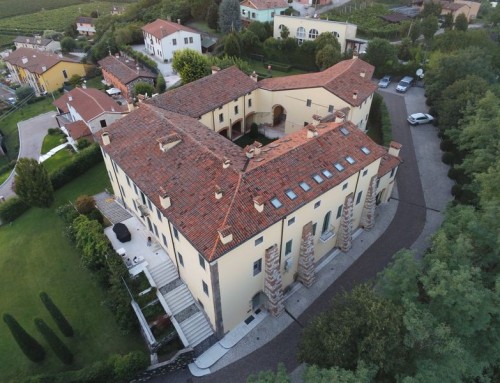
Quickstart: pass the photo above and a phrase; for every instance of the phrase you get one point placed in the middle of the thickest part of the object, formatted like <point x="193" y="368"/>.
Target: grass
<point x="258" y="66"/>
<point x="35" y="257"/>
<point x="57" y="160"/>
<point x="50" y="141"/>
<point x="202" y="26"/>
<point x="248" y="139"/>
<point x="96" y="83"/>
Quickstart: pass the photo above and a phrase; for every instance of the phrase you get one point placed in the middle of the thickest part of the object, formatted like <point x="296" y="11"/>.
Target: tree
<point x="212" y="15"/>
<point x="461" y="23"/>
<point x="448" y="21"/>
<point x="175" y="9"/>
<point x="382" y="54"/>
<point x="229" y="16"/>
<point x="227" y="61"/>
<point x="259" y="30"/>
<point x="68" y="44"/>
<point x="32" y="183"/>
<point x="91" y="242"/>
<point x="404" y="52"/>
<point x="249" y="42"/>
<point x="429" y="25"/>
<point x="232" y="45"/>
<point x="59" y="348"/>
<point x="362" y="374"/>
<point x="326" y="38"/>
<point x="144" y="88"/>
<point x="75" y="80"/>
<point x="410" y="29"/>
<point x="24" y="91"/>
<point x="431" y="8"/>
<point x="327" y="56"/>
<point x="198" y="9"/>
<point x="270" y="377"/>
<point x="28" y="345"/>
<point x="285" y="32"/>
<point x="161" y="85"/>
<point x="190" y="65"/>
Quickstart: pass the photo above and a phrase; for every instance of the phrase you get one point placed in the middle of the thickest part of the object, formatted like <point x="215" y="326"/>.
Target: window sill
<point x="326" y="236"/>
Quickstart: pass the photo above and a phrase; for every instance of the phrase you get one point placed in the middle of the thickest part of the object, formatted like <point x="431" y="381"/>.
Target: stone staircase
<point x="163" y="274"/>
<point x="179" y="299"/>
<point x="196" y="328"/>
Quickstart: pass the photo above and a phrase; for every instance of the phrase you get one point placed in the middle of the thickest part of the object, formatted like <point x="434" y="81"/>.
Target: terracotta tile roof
<point x="89" y="103"/>
<point x="32" y="40"/>
<point x="264" y="4"/>
<point x="206" y="94"/>
<point x="124" y="69"/>
<point x="78" y="129"/>
<point x="387" y="163"/>
<point x="191" y="171"/>
<point x="341" y="79"/>
<point x="36" y="61"/>
<point x="162" y="28"/>
<point x="85" y="20"/>
<point x="448" y="5"/>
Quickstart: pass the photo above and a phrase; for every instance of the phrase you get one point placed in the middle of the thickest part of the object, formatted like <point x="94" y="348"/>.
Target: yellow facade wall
<point x="54" y="78"/>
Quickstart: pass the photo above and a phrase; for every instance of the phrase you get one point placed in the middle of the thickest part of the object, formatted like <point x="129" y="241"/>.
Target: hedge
<point x="59" y="348"/>
<point x="11" y="209"/>
<point x="79" y="164"/>
<point x="57" y="315"/>
<point x="29" y="345"/>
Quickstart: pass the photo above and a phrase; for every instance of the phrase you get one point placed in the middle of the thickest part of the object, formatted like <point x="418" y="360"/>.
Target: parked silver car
<point x="420" y="118"/>
<point x="384" y="82"/>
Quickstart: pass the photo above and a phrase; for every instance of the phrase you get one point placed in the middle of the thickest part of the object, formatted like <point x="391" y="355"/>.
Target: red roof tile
<point x="206" y="94"/>
<point x="125" y="69"/>
<point x="36" y="61"/>
<point x="78" y="129"/>
<point x="264" y="4"/>
<point x="190" y="172"/>
<point x="162" y="28"/>
<point x="341" y="79"/>
<point x="89" y="103"/>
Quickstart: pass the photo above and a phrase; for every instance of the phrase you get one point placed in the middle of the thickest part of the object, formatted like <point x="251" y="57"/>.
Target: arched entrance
<point x="249" y="120"/>
<point x="224" y="132"/>
<point x="279" y="115"/>
<point x="237" y="129"/>
<point x="258" y="300"/>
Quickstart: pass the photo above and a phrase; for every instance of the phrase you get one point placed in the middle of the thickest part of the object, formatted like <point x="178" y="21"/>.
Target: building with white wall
<point x="262" y="10"/>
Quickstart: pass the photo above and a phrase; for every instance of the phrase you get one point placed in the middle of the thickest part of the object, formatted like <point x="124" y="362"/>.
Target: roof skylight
<point x="344" y="131"/>
<point x="291" y="194"/>
<point x="276" y="202"/>
<point x="304" y="186"/>
<point x="350" y="160"/>
<point x="365" y="150"/>
<point x="338" y="166"/>
<point x="327" y="173"/>
<point x="317" y="178"/>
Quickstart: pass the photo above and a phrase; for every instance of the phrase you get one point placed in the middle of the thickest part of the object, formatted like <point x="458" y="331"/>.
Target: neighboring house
<point x="38" y="43"/>
<point x="79" y="130"/>
<point x="243" y="225"/>
<point x="163" y="38"/>
<point x="43" y="71"/>
<point x="91" y="106"/>
<point x="85" y="26"/>
<point x="262" y="10"/>
<point x="123" y="73"/>
<point x="229" y="101"/>
<point x="468" y="8"/>
<point x="308" y="29"/>
<point x="312" y="2"/>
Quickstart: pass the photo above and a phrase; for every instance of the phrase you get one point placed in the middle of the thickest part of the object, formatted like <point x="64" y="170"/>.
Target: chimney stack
<point x="225" y="235"/>
<point x="355" y="95"/>
<point x="362" y="73"/>
<point x="258" y="203"/>
<point x="339" y="116"/>
<point x="395" y="148"/>
<point x="257" y="148"/>
<point x="249" y="151"/>
<point x="218" y="192"/>
<point x="311" y="131"/>
<point x="316" y="119"/>
<point x="106" y="139"/>
<point x="165" y="201"/>
<point x="254" y="76"/>
<point x="178" y="21"/>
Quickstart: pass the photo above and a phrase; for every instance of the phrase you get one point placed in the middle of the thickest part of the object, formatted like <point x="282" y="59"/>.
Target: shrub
<point x="67" y="213"/>
<point x="59" y="348"/>
<point x="448" y="158"/>
<point x="127" y="366"/>
<point x="82" y="144"/>
<point x="57" y="315"/>
<point x="96" y="215"/>
<point x="12" y="208"/>
<point x="447" y="145"/>
<point x="29" y="346"/>
<point x="85" y="204"/>
<point x="55" y="131"/>
<point x="5" y="168"/>
<point x="458" y="175"/>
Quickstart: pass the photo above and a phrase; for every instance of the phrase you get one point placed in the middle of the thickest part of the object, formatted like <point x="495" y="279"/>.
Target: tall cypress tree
<point x="59" y="348"/>
<point x="29" y="345"/>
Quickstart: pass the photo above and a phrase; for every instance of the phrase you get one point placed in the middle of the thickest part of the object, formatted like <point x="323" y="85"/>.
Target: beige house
<point x="468" y="8"/>
<point x="37" y="42"/>
<point x="307" y="29"/>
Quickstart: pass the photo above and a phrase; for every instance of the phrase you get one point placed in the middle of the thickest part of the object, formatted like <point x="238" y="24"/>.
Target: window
<point x="164" y="239"/>
<point x="350" y="160"/>
<point x="308" y="102"/>
<point x="315" y="224"/>
<point x="336" y="34"/>
<point x="339" y="211"/>
<point x="103" y="123"/>
<point x="281" y="27"/>
<point x="344" y="131"/>
<point x="326" y="222"/>
<point x="330" y="108"/>
<point x="181" y="260"/>
<point x="253" y="15"/>
<point x="158" y="214"/>
<point x="291" y="221"/>
<point x="339" y="167"/>
<point x="257" y="267"/>
<point x="236" y="109"/>
<point x="128" y="181"/>
<point x="205" y="288"/>
<point x="190" y="40"/>
<point x="317" y="204"/>
<point x="304" y="186"/>
<point x="291" y="194"/>
<point x="176" y="234"/>
<point x="135" y="205"/>
<point x="392" y="172"/>
<point x="272" y="14"/>
<point x="317" y="178"/>
<point x="327" y="173"/>
<point x="123" y="191"/>
<point x="344" y="186"/>
<point x="365" y="172"/>
<point x="65" y="74"/>
<point x="301" y="33"/>
<point x="259" y="240"/>
<point x="288" y="247"/>
<point x="149" y="204"/>
<point x="201" y="260"/>
<point x="358" y="199"/>
<point x="185" y="40"/>
<point x="249" y="102"/>
<point x="135" y="189"/>
<point x="243" y="11"/>
<point x="276" y="203"/>
<point x="365" y="150"/>
<point x="156" y="230"/>
<point x="313" y="33"/>
<point x="221" y="117"/>
<point x="174" y="41"/>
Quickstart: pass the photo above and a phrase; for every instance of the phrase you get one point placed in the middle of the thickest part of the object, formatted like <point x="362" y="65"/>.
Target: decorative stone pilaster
<point x="306" y="271"/>
<point x="345" y="230"/>
<point x="368" y="215"/>
<point x="273" y="286"/>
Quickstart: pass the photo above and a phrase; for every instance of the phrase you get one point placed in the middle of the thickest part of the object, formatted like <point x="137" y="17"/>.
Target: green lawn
<point x="258" y="66"/>
<point x="96" y="83"/>
<point x="57" y="160"/>
<point x="51" y="141"/>
<point x="34" y="257"/>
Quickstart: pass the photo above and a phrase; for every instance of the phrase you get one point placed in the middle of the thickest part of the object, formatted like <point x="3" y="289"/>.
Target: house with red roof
<point x="262" y="10"/>
<point x="124" y="73"/>
<point x="162" y="38"/>
<point x="85" y="26"/>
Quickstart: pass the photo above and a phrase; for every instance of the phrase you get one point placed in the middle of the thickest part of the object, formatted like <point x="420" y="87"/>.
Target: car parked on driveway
<point x="419" y="118"/>
<point x="405" y="84"/>
<point x="384" y="82"/>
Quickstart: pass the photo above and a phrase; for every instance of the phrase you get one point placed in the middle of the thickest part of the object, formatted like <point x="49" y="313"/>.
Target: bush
<point x="448" y="158"/>
<point x="458" y="175"/>
<point x="5" y="168"/>
<point x="96" y="215"/>
<point x="82" y="144"/>
<point x="57" y="315"/>
<point x="447" y="145"/>
<point x="55" y="131"/>
<point x="29" y="346"/>
<point x="12" y="208"/>
<point x="59" y="348"/>
<point x="85" y="204"/>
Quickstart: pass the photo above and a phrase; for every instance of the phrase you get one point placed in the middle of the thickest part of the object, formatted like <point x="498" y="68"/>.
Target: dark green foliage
<point x="82" y="143"/>
<point x="212" y="17"/>
<point x="270" y="377"/>
<point x="60" y="320"/>
<point x="32" y="183"/>
<point x="431" y="9"/>
<point x="448" y="158"/>
<point x="29" y="346"/>
<point x="190" y="64"/>
<point x="24" y="91"/>
<point x="68" y="44"/>
<point x="161" y="85"/>
<point x="232" y="46"/>
<point x="226" y="61"/>
<point x="382" y="54"/>
<point x="143" y="88"/>
<point x="461" y="23"/>
<point x="59" y="348"/>
<point x="12" y="208"/>
<point x="260" y="30"/>
<point x="96" y="215"/>
<point x="80" y="163"/>
<point x="229" y="16"/>
<point x="141" y="58"/>
<point x="429" y="27"/>
<point x="448" y="21"/>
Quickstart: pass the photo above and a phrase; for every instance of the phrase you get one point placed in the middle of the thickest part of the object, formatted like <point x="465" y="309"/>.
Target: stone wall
<point x="179" y="362"/>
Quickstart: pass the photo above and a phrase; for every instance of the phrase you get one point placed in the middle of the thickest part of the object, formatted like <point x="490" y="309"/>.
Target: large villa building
<point x="242" y="225"/>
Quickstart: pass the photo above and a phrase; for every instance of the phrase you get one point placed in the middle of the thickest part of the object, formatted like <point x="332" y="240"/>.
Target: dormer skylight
<point x="339" y="167"/>
<point x="291" y="194"/>
<point x="276" y="203"/>
<point x="350" y="160"/>
<point x="317" y="178"/>
<point x="344" y="131"/>
<point x="304" y="186"/>
<point x="365" y="150"/>
<point x="327" y="173"/>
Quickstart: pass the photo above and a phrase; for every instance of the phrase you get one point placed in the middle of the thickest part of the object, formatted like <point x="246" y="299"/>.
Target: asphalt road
<point x="404" y="229"/>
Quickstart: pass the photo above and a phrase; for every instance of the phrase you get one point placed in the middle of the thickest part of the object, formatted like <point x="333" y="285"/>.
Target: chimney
<point x="215" y="69"/>
<point x="106" y="139"/>
<point x="249" y="151"/>
<point x="355" y="95"/>
<point x="137" y="68"/>
<point x="70" y="98"/>
<point x="44" y="68"/>
<point x="362" y="73"/>
<point x="178" y="21"/>
<point x="394" y="148"/>
<point x="311" y="131"/>
<point x="316" y="119"/>
<point x="339" y="116"/>
<point x="24" y="59"/>
<point x="254" y="76"/>
<point x="225" y="163"/>
<point x="225" y="235"/>
<point x="218" y="192"/>
<point x="257" y="148"/>
<point x="164" y="199"/>
<point x="169" y="141"/>
<point x="258" y="203"/>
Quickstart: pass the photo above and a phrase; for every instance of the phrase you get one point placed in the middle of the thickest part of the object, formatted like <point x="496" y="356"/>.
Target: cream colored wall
<point x="385" y="185"/>
<point x="473" y="9"/>
<point x="95" y="124"/>
<point x="359" y="115"/>
<point x="236" y="280"/>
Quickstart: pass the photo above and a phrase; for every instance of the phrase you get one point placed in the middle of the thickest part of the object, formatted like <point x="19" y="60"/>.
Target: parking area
<point x="6" y="94"/>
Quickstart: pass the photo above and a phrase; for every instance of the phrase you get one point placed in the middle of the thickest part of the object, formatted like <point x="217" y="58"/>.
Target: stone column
<point x="306" y="271"/>
<point x="345" y="231"/>
<point x="273" y="286"/>
<point x="368" y="215"/>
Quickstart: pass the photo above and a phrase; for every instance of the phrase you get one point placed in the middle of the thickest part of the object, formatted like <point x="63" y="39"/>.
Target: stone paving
<point x="108" y="206"/>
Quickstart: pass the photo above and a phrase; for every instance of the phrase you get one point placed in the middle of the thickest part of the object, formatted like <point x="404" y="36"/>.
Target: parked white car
<point x="384" y="82"/>
<point x="420" y="118"/>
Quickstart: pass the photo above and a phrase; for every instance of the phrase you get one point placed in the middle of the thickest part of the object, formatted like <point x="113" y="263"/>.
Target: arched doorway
<point x="258" y="301"/>
<point x="224" y="132"/>
<point x="249" y="120"/>
<point x="237" y="129"/>
<point x="279" y="115"/>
